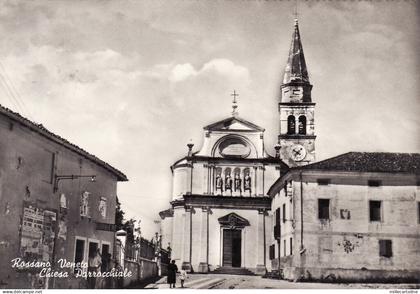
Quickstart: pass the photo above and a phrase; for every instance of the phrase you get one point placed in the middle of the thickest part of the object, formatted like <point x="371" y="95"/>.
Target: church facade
<point x="220" y="215"/>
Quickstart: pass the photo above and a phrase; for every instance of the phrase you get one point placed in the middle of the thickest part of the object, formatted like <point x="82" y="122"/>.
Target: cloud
<point x="182" y="72"/>
<point x="218" y="66"/>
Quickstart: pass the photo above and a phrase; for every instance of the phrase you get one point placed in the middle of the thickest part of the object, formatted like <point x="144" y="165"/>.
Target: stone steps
<point x="232" y="271"/>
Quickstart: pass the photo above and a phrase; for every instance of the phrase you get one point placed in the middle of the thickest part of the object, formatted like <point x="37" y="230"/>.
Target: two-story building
<point x="353" y="217"/>
<point x="57" y="201"/>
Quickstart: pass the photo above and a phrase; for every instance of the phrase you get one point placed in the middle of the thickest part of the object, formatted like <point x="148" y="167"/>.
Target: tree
<point x="126" y="225"/>
<point x="119" y="216"/>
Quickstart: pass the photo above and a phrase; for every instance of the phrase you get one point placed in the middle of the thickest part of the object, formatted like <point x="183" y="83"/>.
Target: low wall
<point x="331" y="275"/>
<point x="164" y="269"/>
<point x="141" y="270"/>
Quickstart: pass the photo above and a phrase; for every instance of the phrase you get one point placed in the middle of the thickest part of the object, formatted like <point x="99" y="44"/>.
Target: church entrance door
<point x="232" y="247"/>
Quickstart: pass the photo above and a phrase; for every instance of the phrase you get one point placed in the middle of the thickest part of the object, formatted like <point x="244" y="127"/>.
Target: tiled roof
<point x="39" y="128"/>
<point x="370" y="162"/>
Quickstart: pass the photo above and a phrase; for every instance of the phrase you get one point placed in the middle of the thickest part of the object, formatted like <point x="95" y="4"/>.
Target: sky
<point x="134" y="81"/>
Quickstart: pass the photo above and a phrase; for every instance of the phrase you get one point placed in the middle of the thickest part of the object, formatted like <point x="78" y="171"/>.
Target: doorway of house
<point x="93" y="247"/>
<point x="232" y="242"/>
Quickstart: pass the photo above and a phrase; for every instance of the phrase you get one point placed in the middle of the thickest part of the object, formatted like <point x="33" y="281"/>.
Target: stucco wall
<point x="26" y="174"/>
<point x="348" y="248"/>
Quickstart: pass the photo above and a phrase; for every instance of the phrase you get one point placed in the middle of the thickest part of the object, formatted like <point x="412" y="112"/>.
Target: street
<point x="214" y="281"/>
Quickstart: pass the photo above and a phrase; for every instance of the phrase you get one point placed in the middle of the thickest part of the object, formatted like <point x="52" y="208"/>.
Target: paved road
<point x="214" y="281"/>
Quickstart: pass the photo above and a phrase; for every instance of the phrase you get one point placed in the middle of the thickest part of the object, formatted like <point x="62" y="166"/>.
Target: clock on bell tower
<point x="296" y="109"/>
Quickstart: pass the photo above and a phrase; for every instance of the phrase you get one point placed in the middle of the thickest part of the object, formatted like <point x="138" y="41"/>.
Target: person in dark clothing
<point x="172" y="270"/>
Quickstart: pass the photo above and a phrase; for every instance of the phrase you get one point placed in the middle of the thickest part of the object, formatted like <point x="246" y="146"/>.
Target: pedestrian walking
<point x="172" y="270"/>
<point x="183" y="276"/>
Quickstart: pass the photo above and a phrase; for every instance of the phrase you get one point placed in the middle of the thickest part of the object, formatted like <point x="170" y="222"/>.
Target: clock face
<point x="297" y="152"/>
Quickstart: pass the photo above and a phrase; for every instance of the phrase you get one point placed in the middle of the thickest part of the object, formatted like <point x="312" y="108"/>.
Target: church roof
<point x="296" y="70"/>
<point x="369" y="162"/>
<point x="234" y="123"/>
<point x="40" y="129"/>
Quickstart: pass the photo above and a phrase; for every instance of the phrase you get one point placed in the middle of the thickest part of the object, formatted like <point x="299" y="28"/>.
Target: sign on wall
<point x="37" y="233"/>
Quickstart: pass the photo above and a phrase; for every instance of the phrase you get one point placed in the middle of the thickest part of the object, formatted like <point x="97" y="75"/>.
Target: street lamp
<point x="58" y="178"/>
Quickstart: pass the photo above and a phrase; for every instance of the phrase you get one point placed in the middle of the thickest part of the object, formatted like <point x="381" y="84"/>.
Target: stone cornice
<point x="211" y="201"/>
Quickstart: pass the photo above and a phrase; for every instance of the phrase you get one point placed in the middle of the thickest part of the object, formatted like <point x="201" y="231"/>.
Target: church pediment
<point x="234" y="124"/>
<point x="233" y="220"/>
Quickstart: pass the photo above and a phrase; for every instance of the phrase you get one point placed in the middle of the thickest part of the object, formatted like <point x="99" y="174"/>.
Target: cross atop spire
<point x="296" y="13"/>
<point x="234" y="103"/>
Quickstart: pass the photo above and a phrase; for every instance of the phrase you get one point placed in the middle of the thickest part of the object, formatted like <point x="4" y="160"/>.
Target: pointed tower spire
<point x="296" y="70"/>
<point x="296" y="87"/>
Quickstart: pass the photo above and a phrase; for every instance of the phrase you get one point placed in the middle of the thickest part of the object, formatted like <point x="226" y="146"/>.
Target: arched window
<point x="302" y="125"/>
<point x="291" y="125"/>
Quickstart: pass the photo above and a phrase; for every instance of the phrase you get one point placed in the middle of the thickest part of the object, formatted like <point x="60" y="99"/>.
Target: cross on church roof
<point x="234" y="103"/>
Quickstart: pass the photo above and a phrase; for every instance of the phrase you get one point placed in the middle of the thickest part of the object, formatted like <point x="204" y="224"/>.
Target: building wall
<point x="28" y="162"/>
<point x="346" y="246"/>
<point x="197" y="175"/>
<point x="252" y="251"/>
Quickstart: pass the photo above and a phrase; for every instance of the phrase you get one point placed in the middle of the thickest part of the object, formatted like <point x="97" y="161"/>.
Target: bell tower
<point x="297" y="126"/>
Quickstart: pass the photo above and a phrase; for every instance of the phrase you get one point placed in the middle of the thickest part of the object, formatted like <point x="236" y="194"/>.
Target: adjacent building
<point x="57" y="201"/>
<point x="353" y="217"/>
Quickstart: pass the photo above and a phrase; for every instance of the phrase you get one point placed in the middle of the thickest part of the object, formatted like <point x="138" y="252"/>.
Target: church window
<point x="284" y="212"/>
<point x="291" y="125"/>
<point x="278" y="216"/>
<point x="324" y="208"/>
<point x="272" y="251"/>
<point x="385" y="248"/>
<point x="291" y="246"/>
<point x="374" y="183"/>
<point x="375" y="211"/>
<point x="284" y="248"/>
<point x="277" y="224"/>
<point x="323" y="182"/>
<point x="302" y="125"/>
<point x="418" y="212"/>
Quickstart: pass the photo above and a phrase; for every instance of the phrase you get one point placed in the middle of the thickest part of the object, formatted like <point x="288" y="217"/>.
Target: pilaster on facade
<point x="203" y="266"/>
<point x="261" y="241"/>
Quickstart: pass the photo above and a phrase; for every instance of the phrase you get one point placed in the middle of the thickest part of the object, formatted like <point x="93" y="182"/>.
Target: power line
<point x="15" y="92"/>
<point x="10" y="95"/>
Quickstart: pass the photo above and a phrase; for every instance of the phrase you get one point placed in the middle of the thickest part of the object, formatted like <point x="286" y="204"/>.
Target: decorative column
<point x="261" y="243"/>
<point x="203" y="267"/>
<point x="254" y="182"/>
<point x="260" y="178"/>
<point x="206" y="186"/>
